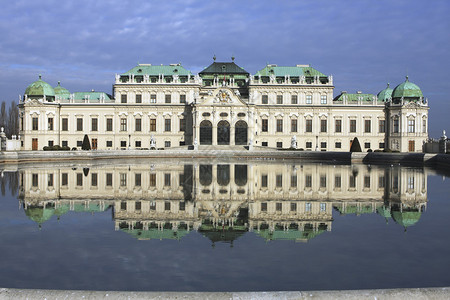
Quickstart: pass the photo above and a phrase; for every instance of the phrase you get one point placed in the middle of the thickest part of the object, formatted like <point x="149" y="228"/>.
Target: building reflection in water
<point x="224" y="201"/>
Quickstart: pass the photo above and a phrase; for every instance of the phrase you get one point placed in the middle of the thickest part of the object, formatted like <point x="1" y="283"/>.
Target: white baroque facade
<point x="224" y="105"/>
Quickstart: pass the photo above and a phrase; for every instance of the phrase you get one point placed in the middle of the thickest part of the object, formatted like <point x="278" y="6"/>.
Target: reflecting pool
<point x="223" y="226"/>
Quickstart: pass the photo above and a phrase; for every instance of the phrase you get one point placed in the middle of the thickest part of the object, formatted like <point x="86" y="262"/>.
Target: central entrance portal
<point x="223" y="133"/>
<point x="240" y="134"/>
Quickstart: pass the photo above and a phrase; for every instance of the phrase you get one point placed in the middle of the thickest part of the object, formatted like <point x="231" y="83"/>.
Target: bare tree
<point x="3" y="114"/>
<point x="12" y="126"/>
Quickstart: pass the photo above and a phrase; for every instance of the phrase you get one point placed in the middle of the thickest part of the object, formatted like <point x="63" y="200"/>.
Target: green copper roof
<point x="385" y="94"/>
<point x="155" y="234"/>
<point x="59" y="90"/>
<point x="40" y="88"/>
<point x="144" y="69"/>
<point x="294" y="235"/>
<point x="80" y="97"/>
<point x="384" y="211"/>
<point x="355" y="97"/>
<point x="39" y="214"/>
<point x="407" y="90"/>
<point x="223" y="68"/>
<point x="406" y="218"/>
<point x="291" y="71"/>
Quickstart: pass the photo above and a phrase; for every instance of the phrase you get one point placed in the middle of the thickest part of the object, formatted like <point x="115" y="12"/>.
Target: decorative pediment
<point x="223" y="96"/>
<point x="34" y="102"/>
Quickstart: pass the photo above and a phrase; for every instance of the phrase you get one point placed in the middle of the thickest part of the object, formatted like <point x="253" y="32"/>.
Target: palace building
<point x="166" y="106"/>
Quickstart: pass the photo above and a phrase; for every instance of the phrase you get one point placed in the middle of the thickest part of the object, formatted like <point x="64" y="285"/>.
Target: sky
<point x="364" y="44"/>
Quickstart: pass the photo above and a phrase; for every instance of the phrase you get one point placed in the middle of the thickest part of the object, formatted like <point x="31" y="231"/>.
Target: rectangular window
<point x="123" y="179"/>
<point x="50" y="124"/>
<point x="323" y="125"/>
<point x="79" y="179"/>
<point x="152" y="124"/>
<point x="94" y="179"/>
<point x="137" y="205"/>
<point x="167" y="144"/>
<point x="308" y="144"/>
<point x="123" y="205"/>
<point x="138" y="98"/>
<point x="367" y="181"/>
<point x="308" y="127"/>
<point x="182" y="98"/>
<point x="108" y="143"/>
<point x="35" y="124"/>
<point x="338" y="145"/>
<point x="167" y="179"/>
<point x="337" y="181"/>
<point x="293" y="125"/>
<point x="279" y="99"/>
<point x="79" y="143"/>
<point x="153" y="98"/>
<point x="308" y="181"/>
<point x="323" y="145"/>
<point x="293" y="206"/>
<point x="381" y="182"/>
<point x="50" y="143"/>
<point x="352" y="125"/>
<point x="264" y="125"/>
<point x="279" y="125"/>
<point x="323" y="181"/>
<point x="367" y="126"/>
<point x="138" y="124"/>
<point x="411" y="126"/>
<point x="137" y="179"/>
<point x="137" y="144"/>
<point x="424" y="126"/>
<point x="152" y="179"/>
<point x="50" y="180"/>
<point x="279" y="144"/>
<point x="263" y="180"/>
<point x="352" y="182"/>
<point x="264" y="206"/>
<point x="65" y="124"/>
<point x="323" y="207"/>
<point x="293" y="181"/>
<point x="35" y="180"/>
<point x="279" y="180"/>
<point x="367" y="145"/>
<point x="64" y="143"/>
<point x="123" y="144"/>
<point x="123" y="98"/>
<point x="79" y="124"/>
<point x="338" y="126"/>
<point x="182" y="206"/>
<point x="109" y="124"/>
<point x="153" y="205"/>
<point x="308" y="206"/>
<point x="94" y="124"/>
<point x="265" y="99"/>
<point x="278" y="206"/>
<point x="168" y="98"/>
<point x="381" y="145"/>
<point x="167" y="125"/>
<point x="323" y="99"/>
<point x="294" y="99"/>
<point x="381" y="126"/>
<point x="123" y="124"/>
<point x="411" y="146"/>
<point x="109" y="179"/>
<point x="396" y="125"/>
<point x="308" y="99"/>
<point x="64" y="179"/>
<point x="264" y="144"/>
<point x="183" y="125"/>
<point x="167" y="205"/>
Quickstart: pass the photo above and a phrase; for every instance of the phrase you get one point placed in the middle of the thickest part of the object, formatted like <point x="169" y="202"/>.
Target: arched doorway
<point x="223" y="133"/>
<point x="205" y="133"/>
<point x="240" y="133"/>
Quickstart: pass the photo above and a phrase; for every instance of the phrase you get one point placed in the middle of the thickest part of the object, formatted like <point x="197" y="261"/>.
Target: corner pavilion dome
<point x="385" y="94"/>
<point x="39" y="89"/>
<point x="408" y="91"/>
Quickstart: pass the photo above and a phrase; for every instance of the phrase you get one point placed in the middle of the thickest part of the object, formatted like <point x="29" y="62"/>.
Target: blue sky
<point x="364" y="44"/>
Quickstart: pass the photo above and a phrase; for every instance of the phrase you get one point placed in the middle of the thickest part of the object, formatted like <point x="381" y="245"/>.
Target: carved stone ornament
<point x="223" y="97"/>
